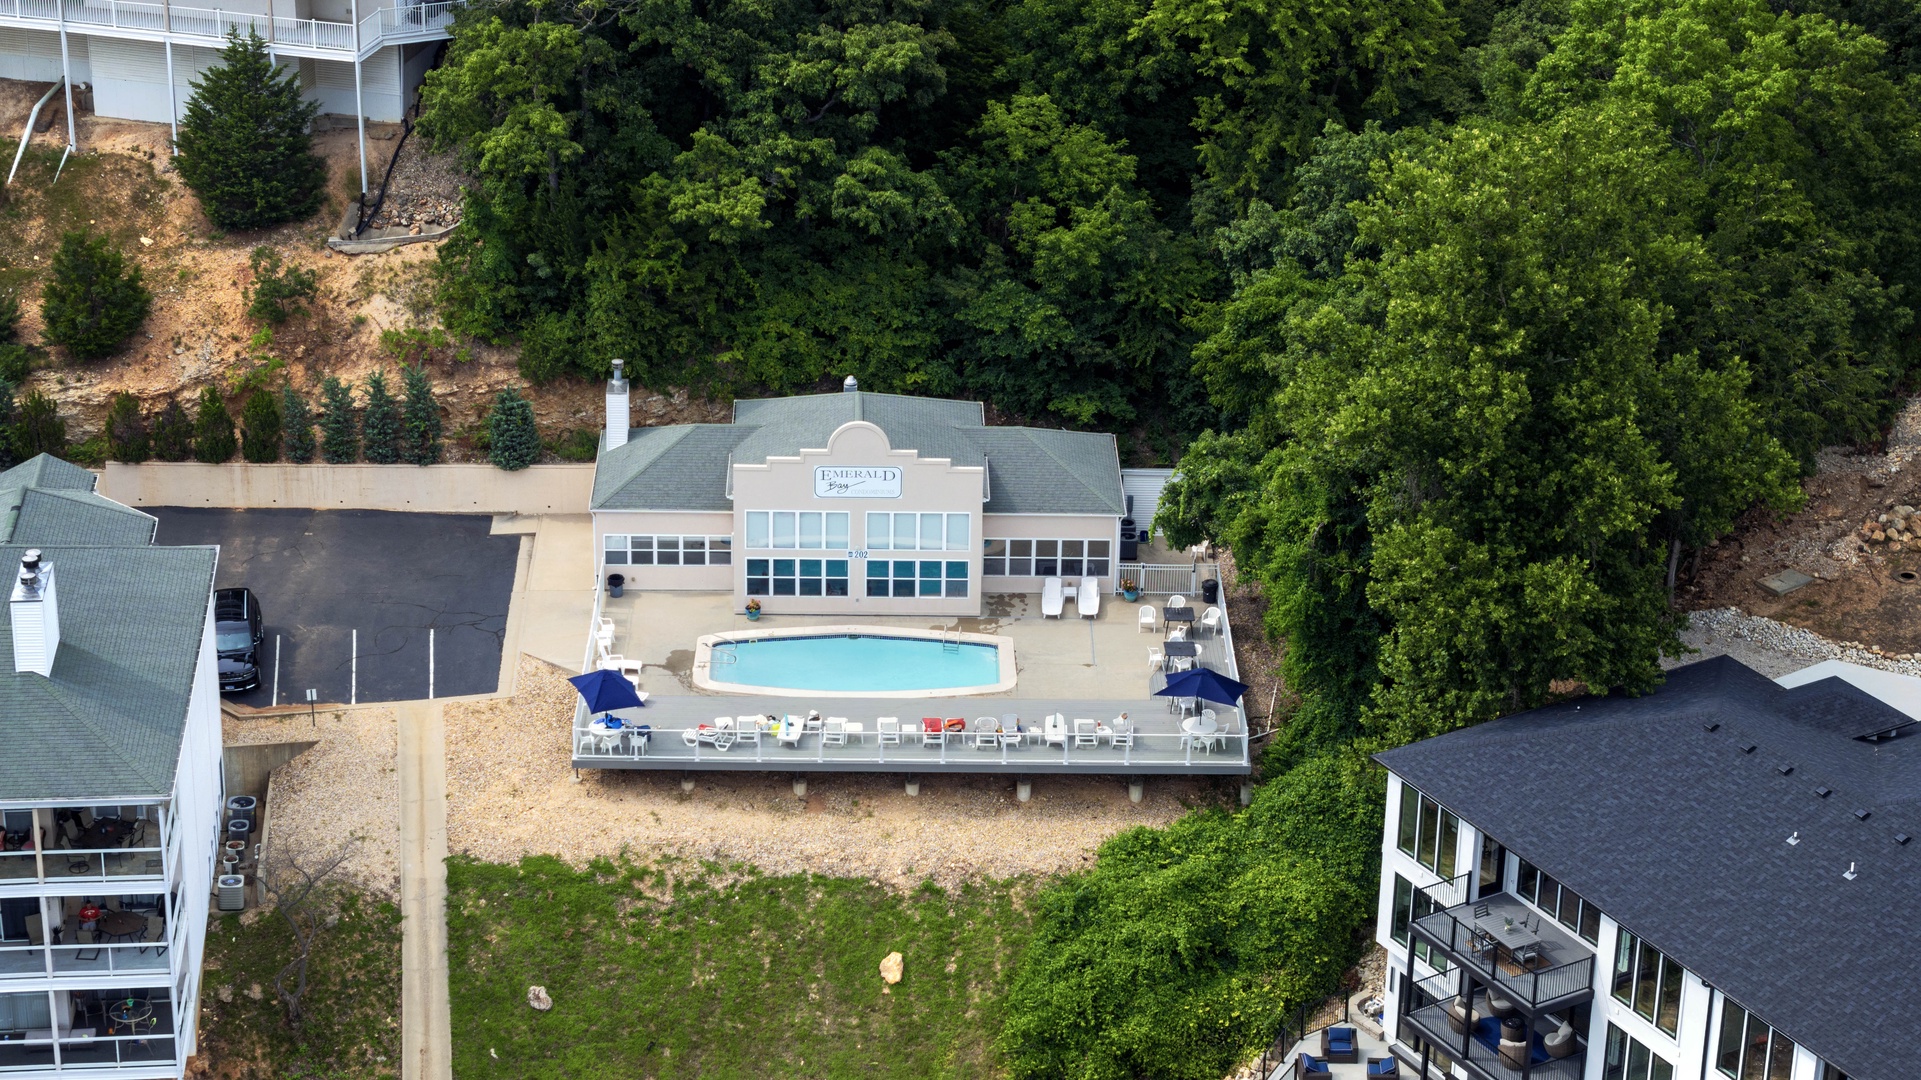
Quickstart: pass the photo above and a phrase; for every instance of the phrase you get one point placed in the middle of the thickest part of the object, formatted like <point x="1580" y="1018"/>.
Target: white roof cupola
<point x="35" y="616"/>
<point x="617" y="415"/>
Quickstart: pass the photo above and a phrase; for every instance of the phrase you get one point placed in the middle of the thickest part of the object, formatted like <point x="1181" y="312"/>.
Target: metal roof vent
<point x="1902" y="838"/>
<point x="1862" y="815"/>
<point x="1850" y="875"/>
<point x="1784" y="770"/>
<point x="1747" y="748"/>
<point x="1823" y="792"/>
<point x="1711" y="727"/>
<point x="618" y="415"/>
<point x="36" y="616"/>
<point x="1796" y="838"/>
<point x="849" y="385"/>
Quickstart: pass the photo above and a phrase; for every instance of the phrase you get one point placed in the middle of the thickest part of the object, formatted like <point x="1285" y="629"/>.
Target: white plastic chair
<point x="887" y="730"/>
<point x="604" y="634"/>
<point x="747" y="728"/>
<point x="1054" y="730"/>
<point x="1211" y="621"/>
<point x="836" y="732"/>
<point x="1120" y="731"/>
<point x="1150" y="619"/>
<point x="1177" y="600"/>
<point x="1155" y="658"/>
<point x="1177" y="633"/>
<point x="1085" y="733"/>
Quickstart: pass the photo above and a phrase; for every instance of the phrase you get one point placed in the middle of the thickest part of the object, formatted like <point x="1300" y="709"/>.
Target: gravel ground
<point x="424" y="190"/>
<point x="511" y="792"/>
<point x="1775" y="648"/>
<point x="346" y="789"/>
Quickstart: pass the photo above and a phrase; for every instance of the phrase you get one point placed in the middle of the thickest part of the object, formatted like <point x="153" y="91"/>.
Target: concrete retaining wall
<point x="433" y="489"/>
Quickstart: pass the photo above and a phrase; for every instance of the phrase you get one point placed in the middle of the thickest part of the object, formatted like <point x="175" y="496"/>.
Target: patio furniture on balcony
<point x="835" y="733"/>
<point x="932" y="732"/>
<point x="1211" y="621"/>
<point x="1383" y="1067"/>
<point x="1054" y="730"/>
<point x="1313" y="1068"/>
<point x="887" y="730"/>
<point x="1500" y="1005"/>
<point x="1120" y="731"/>
<point x="1149" y="620"/>
<point x="1177" y="600"/>
<point x="1051" y="593"/>
<point x="1085" y="733"/>
<point x="1156" y="659"/>
<point x="1459" y="1015"/>
<point x="1338" y="1044"/>
<point x="1177" y="614"/>
<point x="1560" y="1043"/>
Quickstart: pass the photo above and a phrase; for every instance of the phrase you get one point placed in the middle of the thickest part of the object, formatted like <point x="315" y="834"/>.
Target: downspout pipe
<point x="27" y="135"/>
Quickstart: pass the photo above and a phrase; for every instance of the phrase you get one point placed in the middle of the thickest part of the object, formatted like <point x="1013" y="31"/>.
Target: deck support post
<point x="913" y="785"/>
<point x="173" y="92"/>
<point x="1136" y="788"/>
<point x="1247" y="794"/>
<point x="1023" y="789"/>
<point x="360" y="110"/>
<point x="800" y="786"/>
<point x="66" y="78"/>
<point x="1527" y="1048"/>
<point x="687" y="784"/>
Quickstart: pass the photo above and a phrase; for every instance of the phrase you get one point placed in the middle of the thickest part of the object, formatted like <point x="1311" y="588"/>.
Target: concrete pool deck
<point x="1081" y="668"/>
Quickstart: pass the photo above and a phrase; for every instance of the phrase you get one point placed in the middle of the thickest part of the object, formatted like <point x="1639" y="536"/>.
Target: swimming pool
<point x="855" y="664"/>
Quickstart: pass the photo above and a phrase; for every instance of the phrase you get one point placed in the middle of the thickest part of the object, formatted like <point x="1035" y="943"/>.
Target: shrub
<point x="244" y="144"/>
<point x="420" y="437"/>
<point x="580" y="444"/>
<point x="550" y="346"/>
<point x="296" y="425"/>
<point x="513" y="441"/>
<point x="414" y="345"/>
<point x="277" y="290"/>
<point x="127" y="430"/>
<point x="380" y="424"/>
<point x="173" y="433"/>
<point x="213" y="440"/>
<point x="339" y="433"/>
<point x="260" y="427"/>
<point x="93" y="300"/>
<point x="91" y="452"/>
<point x="1214" y="927"/>
<point x="8" y="415"/>
<point x="15" y="362"/>
<point x="38" y="428"/>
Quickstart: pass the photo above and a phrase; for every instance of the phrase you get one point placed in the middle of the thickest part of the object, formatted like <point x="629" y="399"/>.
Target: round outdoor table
<point x="122" y="924"/>
<point x="130" y="1010"/>
<point x="1199" y="725"/>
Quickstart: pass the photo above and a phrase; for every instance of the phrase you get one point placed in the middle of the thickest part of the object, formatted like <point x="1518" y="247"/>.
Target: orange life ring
<point x="955" y="723"/>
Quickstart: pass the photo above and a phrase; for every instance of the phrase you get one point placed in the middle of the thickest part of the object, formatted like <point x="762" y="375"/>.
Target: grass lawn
<point x="352" y="1002"/>
<point x="679" y="969"/>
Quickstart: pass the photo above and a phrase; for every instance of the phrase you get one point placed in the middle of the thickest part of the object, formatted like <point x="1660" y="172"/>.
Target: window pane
<point x="1647" y="969"/>
<point x="1020" y="568"/>
<point x="1410" y="817"/>
<point x="693" y="551"/>
<point x="1637" y="1061"/>
<point x="810" y="568"/>
<point x="837" y="531"/>
<point x="1590" y="923"/>
<point x="880" y="531"/>
<point x="1021" y="549"/>
<point x="1071" y="567"/>
<point x="720" y="550"/>
<point x="1727" y="1056"/>
<point x="1661" y="1069"/>
<point x="837" y="586"/>
<point x="1047" y="549"/>
<point x="957" y="588"/>
<point x="616" y="553"/>
<point x="906" y="535"/>
<point x="957" y="570"/>
<point x="757" y="586"/>
<point x="930" y="587"/>
<point x="994" y="547"/>
<point x="932" y="530"/>
<point x="757" y="529"/>
<point x="1430" y="832"/>
<point x="1097" y="549"/>
<point x="1780" y="1057"/>
<point x="904" y="587"/>
<point x="1098" y="567"/>
<point x="1624" y="968"/>
<point x="668" y="553"/>
<point x="783" y="568"/>
<point x="1754" y="1055"/>
<point x="783" y="586"/>
<point x="810" y="586"/>
<point x="1528" y="880"/>
<point x="1403" y="899"/>
<point x="784" y="529"/>
<point x="903" y="568"/>
<point x="836" y="567"/>
<point x="1617" y="1055"/>
<point x="757" y="567"/>
<point x="810" y="531"/>
<point x="957" y="532"/>
<point x="1450" y="841"/>
<point x="1668" y="1015"/>
<point x="877" y="568"/>
<point x="877" y="586"/>
<point x="993" y="567"/>
<point x="1072" y="549"/>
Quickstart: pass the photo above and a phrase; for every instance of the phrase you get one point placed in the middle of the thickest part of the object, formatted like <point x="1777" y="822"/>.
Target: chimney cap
<point x="617" y="382"/>
<point x="31" y="560"/>
<point x="850" y="385"/>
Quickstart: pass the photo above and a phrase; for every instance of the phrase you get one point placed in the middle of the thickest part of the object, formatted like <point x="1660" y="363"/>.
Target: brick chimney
<point x="35" y="616"/>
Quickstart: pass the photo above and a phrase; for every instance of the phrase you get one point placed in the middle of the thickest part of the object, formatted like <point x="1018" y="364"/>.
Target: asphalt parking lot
<point x="362" y="605"/>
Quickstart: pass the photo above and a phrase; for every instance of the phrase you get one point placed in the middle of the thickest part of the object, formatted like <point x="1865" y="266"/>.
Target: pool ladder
<point x="950" y="644"/>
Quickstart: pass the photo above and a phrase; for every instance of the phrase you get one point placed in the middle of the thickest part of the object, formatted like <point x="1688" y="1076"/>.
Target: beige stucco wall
<point x="926" y="485"/>
<point x="440" y="489"/>
<point x="666" y="523"/>
<point x="1052" y="527"/>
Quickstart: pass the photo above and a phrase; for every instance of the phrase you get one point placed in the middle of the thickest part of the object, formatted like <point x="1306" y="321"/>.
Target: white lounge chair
<point x="1051" y="598"/>
<point x="1088" y="598"/>
<point x="1150" y="619"/>
<point x="887" y="730"/>
<point x="748" y="728"/>
<point x="1054" y="730"/>
<point x="835" y="733"/>
<point x="1211" y="621"/>
<point x="1086" y="733"/>
<point x="1120" y="731"/>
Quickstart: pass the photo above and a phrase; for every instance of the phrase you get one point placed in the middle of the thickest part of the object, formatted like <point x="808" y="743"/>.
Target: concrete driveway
<point x="363" y="605"/>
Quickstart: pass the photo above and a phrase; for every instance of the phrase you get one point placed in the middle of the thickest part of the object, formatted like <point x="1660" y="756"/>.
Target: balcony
<point x="208" y="27"/>
<point x="123" y="846"/>
<point x="1509" y="946"/>
<point x="1487" y="1051"/>
<point x="105" y="1030"/>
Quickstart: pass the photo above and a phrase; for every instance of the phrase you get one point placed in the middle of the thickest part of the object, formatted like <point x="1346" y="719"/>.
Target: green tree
<point x="339" y="426"/>
<point x="260" y="427"/>
<point x="278" y="290"/>
<point x="513" y="441"/>
<point x="38" y="428"/>
<point x="9" y="418"/>
<point x="213" y="440"/>
<point x="380" y="423"/>
<point x="296" y="422"/>
<point x="127" y="430"/>
<point x="245" y="143"/>
<point x="173" y="433"/>
<point x="93" y="301"/>
<point x="14" y="359"/>
<point x="421" y="426"/>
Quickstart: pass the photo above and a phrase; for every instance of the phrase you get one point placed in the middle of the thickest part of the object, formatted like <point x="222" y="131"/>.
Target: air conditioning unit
<point x="232" y="891"/>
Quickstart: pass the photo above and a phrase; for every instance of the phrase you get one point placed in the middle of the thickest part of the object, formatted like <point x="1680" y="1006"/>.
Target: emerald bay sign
<point x="856" y="482"/>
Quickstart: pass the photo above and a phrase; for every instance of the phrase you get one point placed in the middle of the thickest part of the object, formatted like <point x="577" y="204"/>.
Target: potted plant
<point x="753" y="610"/>
<point x="1130" y="590"/>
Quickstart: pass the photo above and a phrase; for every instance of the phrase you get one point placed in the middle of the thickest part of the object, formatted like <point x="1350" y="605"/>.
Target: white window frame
<point x="1025" y="556"/>
<point x="795" y="530"/>
<point x="715" y="550"/>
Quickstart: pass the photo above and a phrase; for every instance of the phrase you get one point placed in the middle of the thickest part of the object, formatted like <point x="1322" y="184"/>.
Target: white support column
<point x="66" y="73"/>
<point x="173" y="94"/>
<point x="360" y="110"/>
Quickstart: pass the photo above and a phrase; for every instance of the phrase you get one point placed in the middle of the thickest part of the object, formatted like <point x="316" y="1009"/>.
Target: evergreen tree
<point x="93" y="300"/>
<point x="420" y="437"/>
<point x="339" y="434"/>
<point x="8" y="414"/>
<point x="296" y="425"/>
<point x="244" y="143"/>
<point x="380" y="425"/>
<point x="515" y="443"/>
<point x="213" y="440"/>
<point x="13" y="355"/>
<point x="126" y="430"/>
<point x="172" y="433"/>
<point x="39" y="428"/>
<point x="260" y="427"/>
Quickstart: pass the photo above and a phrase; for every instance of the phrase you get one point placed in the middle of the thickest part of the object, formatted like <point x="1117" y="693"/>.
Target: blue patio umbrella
<point x="606" y="691"/>
<point x="1203" y="683"/>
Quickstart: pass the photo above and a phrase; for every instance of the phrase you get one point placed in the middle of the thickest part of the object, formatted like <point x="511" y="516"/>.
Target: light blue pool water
<point x="855" y="663"/>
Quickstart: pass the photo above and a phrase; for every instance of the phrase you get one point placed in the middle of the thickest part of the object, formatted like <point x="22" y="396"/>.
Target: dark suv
<point x="236" y="636"/>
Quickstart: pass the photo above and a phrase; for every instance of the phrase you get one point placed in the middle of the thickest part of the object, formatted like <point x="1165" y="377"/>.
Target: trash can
<point x="1210" y="590"/>
<point x="616" y="584"/>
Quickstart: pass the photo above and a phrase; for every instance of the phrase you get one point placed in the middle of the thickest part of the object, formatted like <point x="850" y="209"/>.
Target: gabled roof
<point x="1030" y="470"/>
<point x="1680" y="833"/>
<point x="108" y="722"/>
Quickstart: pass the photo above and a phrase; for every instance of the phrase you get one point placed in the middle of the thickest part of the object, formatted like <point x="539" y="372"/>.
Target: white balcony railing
<point x="408" y="22"/>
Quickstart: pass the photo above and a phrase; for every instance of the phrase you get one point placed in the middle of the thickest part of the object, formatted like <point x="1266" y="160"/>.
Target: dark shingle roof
<point x="1030" y="470"/>
<point x="1681" y="835"/>
<point x="108" y="722"/>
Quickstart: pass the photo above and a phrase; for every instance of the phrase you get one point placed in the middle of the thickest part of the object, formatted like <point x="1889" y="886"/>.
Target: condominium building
<point x="110" y="785"/>
<point x="1714" y="881"/>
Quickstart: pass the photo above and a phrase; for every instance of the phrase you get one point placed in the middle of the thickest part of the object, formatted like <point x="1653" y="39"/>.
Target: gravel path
<point x="345" y="789"/>
<point x="511" y="792"/>
<point x="1775" y="648"/>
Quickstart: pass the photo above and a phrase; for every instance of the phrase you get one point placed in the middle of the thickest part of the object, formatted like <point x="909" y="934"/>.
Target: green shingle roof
<point x="1029" y="470"/>
<point x="108" y="722"/>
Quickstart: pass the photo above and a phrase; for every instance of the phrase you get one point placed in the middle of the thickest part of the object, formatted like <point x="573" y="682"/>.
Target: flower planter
<point x="1131" y="595"/>
<point x="753" y="616"/>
